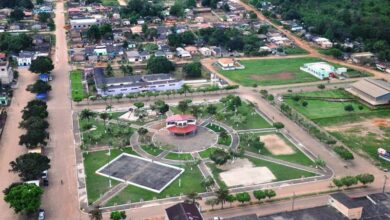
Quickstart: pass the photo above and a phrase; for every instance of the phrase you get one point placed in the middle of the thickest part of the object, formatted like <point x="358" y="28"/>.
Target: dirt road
<point x="9" y="143"/>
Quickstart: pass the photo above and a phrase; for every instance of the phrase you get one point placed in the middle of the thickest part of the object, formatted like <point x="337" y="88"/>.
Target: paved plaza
<point x="202" y="139"/>
<point x="141" y="172"/>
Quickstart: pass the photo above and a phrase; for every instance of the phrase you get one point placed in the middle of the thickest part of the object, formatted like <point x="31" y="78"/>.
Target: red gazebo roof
<point x="182" y="130"/>
<point x="180" y="118"/>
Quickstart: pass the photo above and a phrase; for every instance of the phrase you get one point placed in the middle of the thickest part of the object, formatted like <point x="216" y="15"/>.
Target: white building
<point x="180" y="52"/>
<point x="25" y="58"/>
<point x="229" y="64"/>
<point x="6" y="73"/>
<point x="321" y="70"/>
<point x="323" y="42"/>
<point x="83" y="23"/>
<point x="205" y="51"/>
<point x="133" y="84"/>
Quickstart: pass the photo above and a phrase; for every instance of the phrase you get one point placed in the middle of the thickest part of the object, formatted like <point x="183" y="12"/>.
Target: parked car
<point x="41" y="214"/>
<point x="44" y="174"/>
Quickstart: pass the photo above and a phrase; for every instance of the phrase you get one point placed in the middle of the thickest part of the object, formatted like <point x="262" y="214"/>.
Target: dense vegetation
<point x="139" y="8"/>
<point x="16" y="3"/>
<point x="364" y="20"/>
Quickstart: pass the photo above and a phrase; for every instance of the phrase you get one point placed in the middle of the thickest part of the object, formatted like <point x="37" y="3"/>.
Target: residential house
<point x="133" y="56"/>
<point x="180" y="52"/>
<point x="192" y="50"/>
<point x="323" y="42"/>
<point x="6" y="73"/>
<point x="229" y="64"/>
<point x="25" y="58"/>
<point x="205" y="51"/>
<point x="362" y="58"/>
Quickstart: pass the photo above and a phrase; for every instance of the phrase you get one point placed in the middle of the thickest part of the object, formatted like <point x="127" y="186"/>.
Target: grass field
<point x="271" y="72"/>
<point x="189" y="181"/>
<point x="221" y="140"/>
<point x="323" y="111"/>
<point x="176" y="156"/>
<point x="298" y="157"/>
<point x="152" y="150"/>
<point x="97" y="185"/>
<point x="294" y="51"/>
<point x="253" y="120"/>
<point x="110" y="2"/>
<point x="77" y="86"/>
<point x="206" y="153"/>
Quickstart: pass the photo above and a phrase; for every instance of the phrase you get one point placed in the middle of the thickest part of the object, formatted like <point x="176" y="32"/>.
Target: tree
<point x="30" y="166"/>
<point x="365" y="178"/>
<point x="211" y="202"/>
<point x="208" y="182"/>
<point x="159" y="65"/>
<point x="278" y="125"/>
<point x="139" y="105"/>
<point x="177" y="9"/>
<point x="321" y="86"/>
<point x="17" y="14"/>
<point x="96" y="213"/>
<point x="211" y="109"/>
<point x="243" y="197"/>
<point x="222" y="193"/>
<point x="230" y="199"/>
<point x="104" y="116"/>
<point x="43" y="17"/>
<point x="106" y="31"/>
<point x="34" y="123"/>
<point x="349" y="181"/>
<point x="219" y="156"/>
<point x="348" y="108"/>
<point x="160" y="106"/>
<point x="305" y="103"/>
<point x="94" y="34"/>
<point x="41" y="65"/>
<point x="118" y="215"/>
<point x="259" y="194"/>
<point x="109" y="71"/>
<point x="142" y="132"/>
<point x="183" y="106"/>
<point x="87" y="114"/>
<point x="24" y="198"/>
<point x="126" y="70"/>
<point x="40" y="87"/>
<point x="185" y="88"/>
<point x="193" y="70"/>
<point x="33" y="138"/>
<point x="192" y="197"/>
<point x="269" y="193"/>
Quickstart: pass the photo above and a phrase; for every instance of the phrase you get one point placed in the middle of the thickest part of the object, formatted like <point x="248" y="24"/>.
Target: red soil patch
<point x="380" y="122"/>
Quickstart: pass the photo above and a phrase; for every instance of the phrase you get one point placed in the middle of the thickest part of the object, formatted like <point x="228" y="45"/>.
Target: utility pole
<point x="384" y="184"/>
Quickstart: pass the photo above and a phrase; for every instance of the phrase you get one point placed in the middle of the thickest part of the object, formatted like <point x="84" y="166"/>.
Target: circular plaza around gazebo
<point x="182" y="134"/>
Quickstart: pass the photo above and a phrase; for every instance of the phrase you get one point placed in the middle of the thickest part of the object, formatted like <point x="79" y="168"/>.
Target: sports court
<point x="141" y="172"/>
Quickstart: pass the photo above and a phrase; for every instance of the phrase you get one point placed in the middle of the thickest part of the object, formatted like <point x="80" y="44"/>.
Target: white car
<point x="41" y="214"/>
<point x="44" y="174"/>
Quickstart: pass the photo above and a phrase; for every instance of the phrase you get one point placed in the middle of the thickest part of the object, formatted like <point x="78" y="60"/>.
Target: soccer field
<point x="271" y="72"/>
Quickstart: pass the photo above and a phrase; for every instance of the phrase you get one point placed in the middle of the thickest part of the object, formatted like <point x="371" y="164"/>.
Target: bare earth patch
<point x="276" y="145"/>
<point x="242" y="173"/>
<point x="284" y="75"/>
<point x="363" y="128"/>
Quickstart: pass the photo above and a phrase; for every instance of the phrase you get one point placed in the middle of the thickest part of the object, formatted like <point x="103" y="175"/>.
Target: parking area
<point x="141" y="172"/>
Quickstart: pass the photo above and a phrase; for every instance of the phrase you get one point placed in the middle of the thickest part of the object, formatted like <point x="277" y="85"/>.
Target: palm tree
<point x="222" y="194"/>
<point x="108" y="107"/>
<point x="185" y="88"/>
<point x="211" y="202"/>
<point x="96" y="213"/>
<point x="87" y="114"/>
<point x="104" y="116"/>
<point x="192" y="196"/>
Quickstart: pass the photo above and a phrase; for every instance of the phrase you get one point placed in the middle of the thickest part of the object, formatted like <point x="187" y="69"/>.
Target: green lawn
<point x="97" y="185"/>
<point x="177" y="156"/>
<point x="281" y="172"/>
<point x="253" y="120"/>
<point x="151" y="149"/>
<point x="294" y="51"/>
<point x="77" y="86"/>
<point x="216" y="171"/>
<point x="110" y="2"/>
<point x="271" y="72"/>
<point x="324" y="111"/>
<point x="99" y="135"/>
<point x="298" y="157"/>
<point x="190" y="181"/>
<point x="221" y="140"/>
<point x="206" y="153"/>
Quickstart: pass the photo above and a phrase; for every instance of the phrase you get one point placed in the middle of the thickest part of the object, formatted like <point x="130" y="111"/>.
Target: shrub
<point x="348" y="108"/>
<point x="321" y="86"/>
<point x="304" y="103"/>
<point x="343" y="153"/>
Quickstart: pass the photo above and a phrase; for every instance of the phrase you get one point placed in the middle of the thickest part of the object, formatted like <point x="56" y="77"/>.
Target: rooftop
<point x="183" y="211"/>
<point x="373" y="87"/>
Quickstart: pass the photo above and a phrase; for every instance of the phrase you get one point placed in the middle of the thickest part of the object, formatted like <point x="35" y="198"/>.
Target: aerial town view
<point x="194" y="109"/>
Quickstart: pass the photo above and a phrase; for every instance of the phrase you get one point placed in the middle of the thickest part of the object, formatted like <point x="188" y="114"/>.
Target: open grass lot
<point x="206" y="153"/>
<point x="176" y="156"/>
<point x="97" y="185"/>
<point x="298" y="157"/>
<point x="325" y="112"/>
<point x="271" y="72"/>
<point x="110" y="2"/>
<point x="361" y="130"/>
<point x="252" y="119"/>
<point x="221" y="140"/>
<point x="190" y="181"/>
<point x="77" y="86"/>
<point x="151" y="149"/>
<point x="94" y="132"/>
